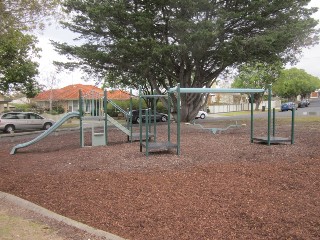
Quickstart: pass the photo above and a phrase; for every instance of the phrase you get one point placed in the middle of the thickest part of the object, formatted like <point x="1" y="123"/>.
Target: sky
<point x="309" y="60"/>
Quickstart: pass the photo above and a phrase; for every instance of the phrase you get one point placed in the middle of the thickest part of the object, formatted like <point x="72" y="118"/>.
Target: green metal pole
<point x="178" y="118"/>
<point x="105" y="115"/>
<point x="154" y="119"/>
<point x="169" y="116"/>
<point x="273" y="122"/>
<point x="292" y="125"/>
<point x="130" y="116"/>
<point x="269" y="112"/>
<point x="80" y="118"/>
<point x="140" y="118"/>
<point x="251" y="117"/>
<point x="147" y="131"/>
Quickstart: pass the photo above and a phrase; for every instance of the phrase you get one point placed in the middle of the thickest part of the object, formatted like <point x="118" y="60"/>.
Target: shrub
<point x="57" y="109"/>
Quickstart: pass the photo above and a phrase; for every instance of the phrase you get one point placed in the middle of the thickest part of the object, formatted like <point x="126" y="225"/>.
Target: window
<point x="34" y="116"/>
<point x="22" y="116"/>
<point x="75" y="105"/>
<point x="10" y="116"/>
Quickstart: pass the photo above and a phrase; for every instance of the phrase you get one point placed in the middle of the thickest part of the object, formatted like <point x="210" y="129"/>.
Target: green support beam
<point x="80" y="119"/>
<point x="251" y="117"/>
<point x="215" y="90"/>
<point x="292" y="125"/>
<point x="105" y="104"/>
<point x="269" y="113"/>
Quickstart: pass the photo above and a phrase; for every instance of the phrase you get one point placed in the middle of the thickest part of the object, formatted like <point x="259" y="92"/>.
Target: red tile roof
<point x="118" y="95"/>
<point x="71" y="92"/>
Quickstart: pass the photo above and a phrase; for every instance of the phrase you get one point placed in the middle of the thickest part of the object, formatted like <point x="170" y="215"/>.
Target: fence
<point x="242" y="107"/>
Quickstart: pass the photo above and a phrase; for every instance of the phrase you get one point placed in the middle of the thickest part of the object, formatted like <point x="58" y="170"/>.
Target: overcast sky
<point x="309" y="60"/>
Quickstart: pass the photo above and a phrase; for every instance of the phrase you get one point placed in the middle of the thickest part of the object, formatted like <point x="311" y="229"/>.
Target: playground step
<point x="158" y="146"/>
<point x="136" y="136"/>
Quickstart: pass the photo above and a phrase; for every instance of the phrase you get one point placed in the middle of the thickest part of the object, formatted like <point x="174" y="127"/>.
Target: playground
<point x="221" y="186"/>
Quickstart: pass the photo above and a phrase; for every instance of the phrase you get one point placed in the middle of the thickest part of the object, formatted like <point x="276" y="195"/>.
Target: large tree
<point x="18" y="47"/>
<point x="17" y="69"/>
<point x="293" y="82"/>
<point x="165" y="42"/>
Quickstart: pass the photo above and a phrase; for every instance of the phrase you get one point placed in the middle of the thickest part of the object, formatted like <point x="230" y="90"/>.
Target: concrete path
<point x="6" y="199"/>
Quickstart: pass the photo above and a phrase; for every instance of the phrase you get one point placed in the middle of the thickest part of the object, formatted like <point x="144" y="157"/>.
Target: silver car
<point x="11" y="121"/>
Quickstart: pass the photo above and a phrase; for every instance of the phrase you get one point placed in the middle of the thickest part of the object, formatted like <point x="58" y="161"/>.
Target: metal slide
<point x="47" y="132"/>
<point x="118" y="125"/>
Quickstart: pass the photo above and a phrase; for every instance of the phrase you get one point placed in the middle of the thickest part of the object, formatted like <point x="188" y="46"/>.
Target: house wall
<point x="68" y="106"/>
<point x="43" y="104"/>
<point x="3" y="104"/>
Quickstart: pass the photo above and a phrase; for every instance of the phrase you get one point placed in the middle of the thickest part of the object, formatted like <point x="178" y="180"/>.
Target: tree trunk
<point x="258" y="97"/>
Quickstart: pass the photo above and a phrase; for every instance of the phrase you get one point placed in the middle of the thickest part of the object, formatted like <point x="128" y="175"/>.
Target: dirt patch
<point x="221" y="187"/>
<point x="16" y="227"/>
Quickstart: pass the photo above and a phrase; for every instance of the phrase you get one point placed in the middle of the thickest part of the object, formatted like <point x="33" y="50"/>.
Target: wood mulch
<point x="221" y="187"/>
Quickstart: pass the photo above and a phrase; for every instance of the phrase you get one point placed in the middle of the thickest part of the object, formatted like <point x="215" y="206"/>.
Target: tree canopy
<point x="164" y="42"/>
<point x="293" y="82"/>
<point x="257" y="75"/>
<point x="26" y="14"/>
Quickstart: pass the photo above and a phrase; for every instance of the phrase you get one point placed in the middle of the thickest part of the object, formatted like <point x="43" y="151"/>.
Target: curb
<point x="47" y="213"/>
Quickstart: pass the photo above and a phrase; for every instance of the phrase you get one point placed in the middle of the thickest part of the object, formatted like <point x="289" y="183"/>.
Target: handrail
<point x="117" y="107"/>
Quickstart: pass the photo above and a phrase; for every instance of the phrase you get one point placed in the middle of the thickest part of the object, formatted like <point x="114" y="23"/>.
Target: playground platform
<point x="273" y="140"/>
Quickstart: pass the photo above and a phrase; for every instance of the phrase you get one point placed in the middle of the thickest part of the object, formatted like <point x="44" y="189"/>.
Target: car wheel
<point x="202" y="116"/>
<point x="46" y="126"/>
<point x="164" y="119"/>
<point x="138" y="120"/>
<point x="9" y="129"/>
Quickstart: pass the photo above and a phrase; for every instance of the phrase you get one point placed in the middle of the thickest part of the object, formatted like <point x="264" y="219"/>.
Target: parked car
<point x="202" y="115"/>
<point x="11" y="121"/>
<point x="305" y="103"/>
<point x="288" y="106"/>
<point x="160" y="117"/>
<point x="302" y="104"/>
<point x="308" y="101"/>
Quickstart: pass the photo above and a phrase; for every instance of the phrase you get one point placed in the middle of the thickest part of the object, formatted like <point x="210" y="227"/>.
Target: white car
<point x="11" y="121"/>
<point x="202" y="114"/>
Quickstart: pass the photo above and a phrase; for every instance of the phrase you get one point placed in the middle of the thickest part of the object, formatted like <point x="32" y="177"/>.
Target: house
<point x="315" y="94"/>
<point x="68" y="97"/>
<point x="4" y="103"/>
